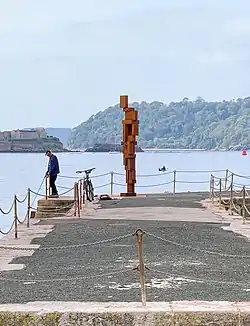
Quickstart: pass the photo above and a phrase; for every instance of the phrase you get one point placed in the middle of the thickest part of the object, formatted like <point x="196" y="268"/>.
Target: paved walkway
<point x="190" y="253"/>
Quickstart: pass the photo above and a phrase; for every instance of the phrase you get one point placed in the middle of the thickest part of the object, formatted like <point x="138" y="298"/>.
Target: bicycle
<point x="87" y="185"/>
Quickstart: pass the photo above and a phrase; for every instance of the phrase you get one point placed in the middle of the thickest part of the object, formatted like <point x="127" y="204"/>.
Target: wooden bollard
<point x="75" y="198"/>
<point x="15" y="216"/>
<point x="78" y="199"/>
<point x="83" y="192"/>
<point x="28" y="209"/>
<point x="80" y="191"/>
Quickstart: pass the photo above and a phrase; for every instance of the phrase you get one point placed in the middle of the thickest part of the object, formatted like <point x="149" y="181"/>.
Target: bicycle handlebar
<point x="86" y="171"/>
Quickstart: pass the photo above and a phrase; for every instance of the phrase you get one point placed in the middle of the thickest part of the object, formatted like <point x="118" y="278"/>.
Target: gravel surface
<point x="173" y="273"/>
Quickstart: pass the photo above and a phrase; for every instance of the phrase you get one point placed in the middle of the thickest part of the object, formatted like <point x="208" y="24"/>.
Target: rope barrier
<point x="90" y="244"/>
<point x="236" y="203"/>
<point x="155" y="185"/>
<point x="195" y="182"/>
<point x="200" y="171"/>
<point x="154" y="175"/>
<point x="241" y="185"/>
<point x="141" y="268"/>
<point x="37" y="193"/>
<point x="240" y="176"/>
<point x="229" y="194"/>
<point x="195" y="249"/>
<point x="157" y="174"/>
<point x="66" y="279"/>
<point x="62" y="187"/>
<point x="92" y="177"/>
<point x="104" y="185"/>
<point x="6" y="213"/>
<point x="66" y="192"/>
<point x="22" y="201"/>
<point x="21" y="222"/>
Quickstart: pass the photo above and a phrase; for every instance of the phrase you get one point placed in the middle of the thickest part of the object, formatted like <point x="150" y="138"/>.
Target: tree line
<point x="187" y="124"/>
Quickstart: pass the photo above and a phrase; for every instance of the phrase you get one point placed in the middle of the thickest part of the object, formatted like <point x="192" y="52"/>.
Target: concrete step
<point x="40" y="215"/>
<point x="53" y="207"/>
<point x="61" y="201"/>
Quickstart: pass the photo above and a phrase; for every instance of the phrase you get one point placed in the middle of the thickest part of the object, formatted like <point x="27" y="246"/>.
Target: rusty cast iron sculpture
<point x="130" y="131"/>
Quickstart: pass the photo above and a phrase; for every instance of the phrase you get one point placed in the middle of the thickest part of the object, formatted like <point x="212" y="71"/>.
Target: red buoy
<point x="244" y="152"/>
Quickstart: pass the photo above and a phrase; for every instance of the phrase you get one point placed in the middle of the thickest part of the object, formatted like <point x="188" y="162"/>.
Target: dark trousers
<point x="52" y="179"/>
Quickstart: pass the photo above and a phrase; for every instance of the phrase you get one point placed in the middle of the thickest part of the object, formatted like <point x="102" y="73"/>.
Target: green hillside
<point x="185" y="124"/>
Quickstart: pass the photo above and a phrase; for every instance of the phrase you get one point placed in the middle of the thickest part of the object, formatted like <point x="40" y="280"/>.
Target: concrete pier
<point x="81" y="271"/>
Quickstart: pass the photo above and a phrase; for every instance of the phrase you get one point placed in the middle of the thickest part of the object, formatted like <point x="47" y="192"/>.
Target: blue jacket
<point x="53" y="166"/>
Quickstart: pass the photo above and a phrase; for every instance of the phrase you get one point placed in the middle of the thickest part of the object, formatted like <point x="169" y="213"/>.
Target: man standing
<point x="53" y="171"/>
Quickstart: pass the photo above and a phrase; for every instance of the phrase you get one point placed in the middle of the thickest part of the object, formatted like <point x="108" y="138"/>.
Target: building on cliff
<point x="29" y="140"/>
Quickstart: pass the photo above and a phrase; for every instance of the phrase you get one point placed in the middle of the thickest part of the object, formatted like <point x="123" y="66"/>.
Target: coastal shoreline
<point x="38" y="152"/>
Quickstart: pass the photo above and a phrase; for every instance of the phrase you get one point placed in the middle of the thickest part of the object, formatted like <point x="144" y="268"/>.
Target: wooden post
<point x="174" y="180"/>
<point x="80" y="190"/>
<point x="78" y="199"/>
<point x="212" y="188"/>
<point x="28" y="209"/>
<point x="231" y="194"/>
<point x="220" y="185"/>
<point x="75" y="198"/>
<point x="83" y="192"/>
<point x="15" y="216"/>
<point x="226" y="176"/>
<point x="111" y="182"/>
<point x="139" y="235"/>
<point x="244" y="212"/>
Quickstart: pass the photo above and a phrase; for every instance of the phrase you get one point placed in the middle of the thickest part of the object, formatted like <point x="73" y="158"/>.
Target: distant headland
<point x="29" y="141"/>
<point x="185" y="124"/>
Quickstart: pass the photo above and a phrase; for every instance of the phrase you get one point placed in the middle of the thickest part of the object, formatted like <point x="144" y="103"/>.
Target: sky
<point x="63" y="60"/>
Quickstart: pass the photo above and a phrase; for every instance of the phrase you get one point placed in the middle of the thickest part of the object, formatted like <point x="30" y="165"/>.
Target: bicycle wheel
<point x="89" y="191"/>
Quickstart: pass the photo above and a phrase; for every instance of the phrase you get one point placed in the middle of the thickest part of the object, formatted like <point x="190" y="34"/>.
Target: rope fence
<point x="228" y="188"/>
<point x="71" y="209"/>
<point x="139" y="264"/>
<point x="113" y="179"/>
<point x="233" y="196"/>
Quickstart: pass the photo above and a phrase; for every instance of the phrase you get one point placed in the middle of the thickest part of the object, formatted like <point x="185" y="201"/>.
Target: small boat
<point x="163" y="169"/>
<point x="244" y="152"/>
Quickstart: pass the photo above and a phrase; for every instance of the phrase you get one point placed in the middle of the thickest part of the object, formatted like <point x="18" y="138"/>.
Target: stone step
<point x="61" y="201"/>
<point x="53" y="207"/>
<point x="40" y="215"/>
<point x="66" y="207"/>
<point x="53" y="212"/>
